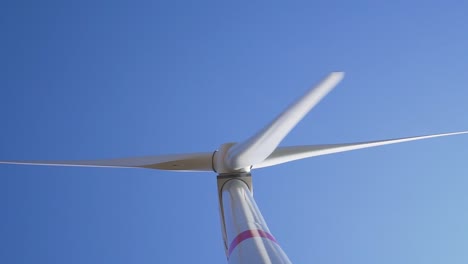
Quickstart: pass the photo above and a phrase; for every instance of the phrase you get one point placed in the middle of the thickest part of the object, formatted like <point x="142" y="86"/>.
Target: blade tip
<point x="338" y="74"/>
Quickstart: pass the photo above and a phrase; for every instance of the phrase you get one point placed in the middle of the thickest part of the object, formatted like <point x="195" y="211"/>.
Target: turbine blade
<point x="177" y="162"/>
<point x="286" y="154"/>
<point x="257" y="148"/>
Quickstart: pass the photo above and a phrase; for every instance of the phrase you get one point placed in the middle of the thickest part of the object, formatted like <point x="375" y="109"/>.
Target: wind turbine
<point x="246" y="236"/>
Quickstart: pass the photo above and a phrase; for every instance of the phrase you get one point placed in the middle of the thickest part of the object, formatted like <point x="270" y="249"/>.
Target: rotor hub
<point x="219" y="160"/>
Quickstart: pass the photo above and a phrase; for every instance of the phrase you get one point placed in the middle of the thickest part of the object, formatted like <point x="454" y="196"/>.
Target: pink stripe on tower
<point x="249" y="234"/>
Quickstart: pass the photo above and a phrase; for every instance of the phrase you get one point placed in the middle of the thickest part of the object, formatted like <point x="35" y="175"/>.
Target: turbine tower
<point x="246" y="236"/>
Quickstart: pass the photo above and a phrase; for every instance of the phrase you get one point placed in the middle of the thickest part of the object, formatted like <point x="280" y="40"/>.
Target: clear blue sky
<point x="103" y="79"/>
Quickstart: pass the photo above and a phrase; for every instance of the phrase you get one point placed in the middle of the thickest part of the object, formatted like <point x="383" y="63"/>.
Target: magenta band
<point x="249" y="234"/>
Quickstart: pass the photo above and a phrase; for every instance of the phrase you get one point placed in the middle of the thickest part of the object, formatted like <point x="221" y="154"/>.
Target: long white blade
<point x="286" y="154"/>
<point x="257" y="148"/>
<point x="178" y="162"/>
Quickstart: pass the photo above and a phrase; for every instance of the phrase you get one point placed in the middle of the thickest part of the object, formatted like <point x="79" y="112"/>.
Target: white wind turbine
<point x="246" y="236"/>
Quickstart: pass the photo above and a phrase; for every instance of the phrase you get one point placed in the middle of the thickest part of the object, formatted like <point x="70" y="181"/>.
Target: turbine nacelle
<point x="221" y="163"/>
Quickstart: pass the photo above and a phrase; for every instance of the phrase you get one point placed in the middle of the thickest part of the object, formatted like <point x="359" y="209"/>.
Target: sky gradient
<point x="87" y="79"/>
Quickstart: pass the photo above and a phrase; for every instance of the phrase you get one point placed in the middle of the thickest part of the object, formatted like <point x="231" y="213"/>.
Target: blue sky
<point x="84" y="80"/>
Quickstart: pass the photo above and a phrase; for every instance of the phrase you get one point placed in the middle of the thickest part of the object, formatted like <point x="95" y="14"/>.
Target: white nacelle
<point x="219" y="160"/>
